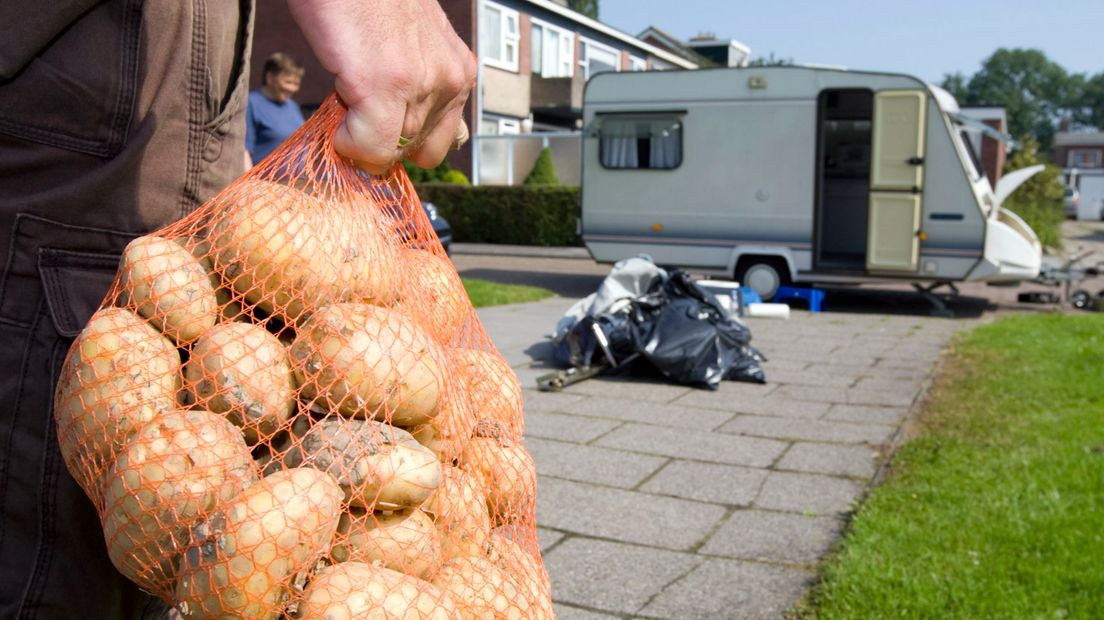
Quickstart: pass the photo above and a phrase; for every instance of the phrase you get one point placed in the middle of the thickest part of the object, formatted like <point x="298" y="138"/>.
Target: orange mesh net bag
<point x="287" y="407"/>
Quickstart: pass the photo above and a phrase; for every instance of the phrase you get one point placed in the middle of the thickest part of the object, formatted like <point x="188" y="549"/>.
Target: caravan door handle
<point x="915" y="161"/>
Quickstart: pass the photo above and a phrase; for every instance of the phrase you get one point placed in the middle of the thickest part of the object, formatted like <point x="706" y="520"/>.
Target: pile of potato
<point x="289" y="409"/>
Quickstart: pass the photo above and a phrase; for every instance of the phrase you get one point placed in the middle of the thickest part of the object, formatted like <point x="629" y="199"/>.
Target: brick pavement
<point x="659" y="501"/>
<point x="669" y="502"/>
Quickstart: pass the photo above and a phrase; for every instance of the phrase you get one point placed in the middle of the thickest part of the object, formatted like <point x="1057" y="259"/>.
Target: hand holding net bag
<point x="287" y="407"/>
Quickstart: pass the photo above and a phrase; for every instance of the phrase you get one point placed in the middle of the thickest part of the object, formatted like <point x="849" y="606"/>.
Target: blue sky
<point x="925" y="38"/>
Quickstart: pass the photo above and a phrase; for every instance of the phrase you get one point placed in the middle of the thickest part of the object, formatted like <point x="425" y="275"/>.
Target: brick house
<point x="990" y="152"/>
<point x="706" y="50"/>
<point x="536" y="56"/>
<point x="1079" y="150"/>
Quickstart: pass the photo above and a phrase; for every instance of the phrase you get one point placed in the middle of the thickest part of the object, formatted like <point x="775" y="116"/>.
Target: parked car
<point x="440" y="225"/>
<point x="1073" y="200"/>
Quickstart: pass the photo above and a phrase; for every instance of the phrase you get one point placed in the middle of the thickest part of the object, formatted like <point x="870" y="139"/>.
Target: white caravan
<point x="777" y="174"/>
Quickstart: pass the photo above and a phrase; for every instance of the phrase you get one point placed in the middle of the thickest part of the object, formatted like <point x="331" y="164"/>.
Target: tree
<point x="771" y="61"/>
<point x="1034" y="91"/>
<point x="586" y="7"/>
<point x="955" y="83"/>
<point x="1039" y="200"/>
<point x="544" y="170"/>
<point x="1088" y="110"/>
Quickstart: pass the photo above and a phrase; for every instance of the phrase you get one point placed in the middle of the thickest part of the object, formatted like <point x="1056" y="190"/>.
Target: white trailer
<point x="780" y="174"/>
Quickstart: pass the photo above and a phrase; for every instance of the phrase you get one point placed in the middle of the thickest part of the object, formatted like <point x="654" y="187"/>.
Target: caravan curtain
<point x="618" y="147"/>
<point x="666" y="147"/>
<point x="635" y="142"/>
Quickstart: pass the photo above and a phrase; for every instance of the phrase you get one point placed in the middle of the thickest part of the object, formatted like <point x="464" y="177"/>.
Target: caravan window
<point x="979" y="171"/>
<point x="636" y="142"/>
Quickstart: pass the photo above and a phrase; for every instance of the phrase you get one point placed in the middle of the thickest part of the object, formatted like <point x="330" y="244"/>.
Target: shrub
<point x="1039" y="200"/>
<point x="455" y="177"/>
<point x="443" y="173"/>
<point x="544" y="170"/>
<point x="521" y="215"/>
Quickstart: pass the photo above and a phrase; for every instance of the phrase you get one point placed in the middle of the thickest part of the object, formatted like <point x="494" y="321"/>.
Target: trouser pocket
<point x="53" y="560"/>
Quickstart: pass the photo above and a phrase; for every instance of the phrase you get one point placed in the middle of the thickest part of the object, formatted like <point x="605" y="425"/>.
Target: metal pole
<point x="509" y="161"/>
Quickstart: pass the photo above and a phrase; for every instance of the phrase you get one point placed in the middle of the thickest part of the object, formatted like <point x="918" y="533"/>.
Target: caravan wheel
<point x="763" y="274"/>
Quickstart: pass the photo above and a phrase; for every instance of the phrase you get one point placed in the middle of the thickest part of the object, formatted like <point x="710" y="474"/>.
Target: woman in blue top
<point x="272" y="115"/>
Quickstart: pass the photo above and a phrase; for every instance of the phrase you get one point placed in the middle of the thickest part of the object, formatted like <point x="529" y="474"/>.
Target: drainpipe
<point x="475" y="141"/>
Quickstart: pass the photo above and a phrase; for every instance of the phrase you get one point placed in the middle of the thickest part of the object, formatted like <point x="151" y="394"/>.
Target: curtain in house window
<point x="537" y="58"/>
<point x="491" y="39"/>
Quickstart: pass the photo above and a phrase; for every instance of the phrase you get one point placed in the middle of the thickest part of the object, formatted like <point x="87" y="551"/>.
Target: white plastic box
<point x="726" y="292"/>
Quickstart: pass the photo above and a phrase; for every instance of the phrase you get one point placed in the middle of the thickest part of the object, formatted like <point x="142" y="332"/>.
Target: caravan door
<point x="896" y="181"/>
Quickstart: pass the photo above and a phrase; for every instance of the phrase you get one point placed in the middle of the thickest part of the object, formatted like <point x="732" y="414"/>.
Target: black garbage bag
<point x="678" y="328"/>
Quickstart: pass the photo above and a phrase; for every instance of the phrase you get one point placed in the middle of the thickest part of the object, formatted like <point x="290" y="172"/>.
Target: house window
<point x="498" y="41"/>
<point x="636" y="142"/>
<point x="1084" y="158"/>
<point x="637" y="64"/>
<point x="553" y="52"/>
<point x="594" y="58"/>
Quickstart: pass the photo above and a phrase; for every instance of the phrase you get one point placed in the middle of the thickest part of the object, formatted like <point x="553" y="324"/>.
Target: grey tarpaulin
<point x="664" y="322"/>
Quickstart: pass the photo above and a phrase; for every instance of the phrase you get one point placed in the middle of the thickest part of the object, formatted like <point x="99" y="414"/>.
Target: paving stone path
<point x="668" y="502"/>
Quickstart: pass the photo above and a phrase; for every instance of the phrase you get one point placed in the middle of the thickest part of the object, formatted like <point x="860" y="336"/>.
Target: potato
<point x="242" y="371"/>
<point x="289" y="252"/>
<point x="167" y="285"/>
<point x="406" y="541"/>
<point x="523" y="567"/>
<point x="230" y="309"/>
<point x="170" y="474"/>
<point x="482" y="591"/>
<point x="492" y="386"/>
<point x="378" y="467"/>
<point x="359" y="591"/>
<point x="366" y="361"/>
<point x="120" y="374"/>
<point x="434" y="296"/>
<point x="460" y="513"/>
<point x="369" y="252"/>
<point x="449" y="432"/>
<point x="243" y="559"/>
<point x="507" y="473"/>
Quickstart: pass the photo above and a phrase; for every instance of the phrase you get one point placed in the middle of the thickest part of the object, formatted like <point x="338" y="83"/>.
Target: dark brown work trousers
<point x="116" y="118"/>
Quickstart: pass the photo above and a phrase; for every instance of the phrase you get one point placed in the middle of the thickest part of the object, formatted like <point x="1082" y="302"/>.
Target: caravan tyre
<point x="763" y="275"/>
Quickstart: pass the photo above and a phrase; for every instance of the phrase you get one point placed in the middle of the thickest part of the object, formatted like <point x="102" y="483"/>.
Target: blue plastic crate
<point x="814" y="297"/>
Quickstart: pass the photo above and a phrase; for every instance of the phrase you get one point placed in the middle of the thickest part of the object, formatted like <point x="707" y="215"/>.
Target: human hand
<point x="402" y="71"/>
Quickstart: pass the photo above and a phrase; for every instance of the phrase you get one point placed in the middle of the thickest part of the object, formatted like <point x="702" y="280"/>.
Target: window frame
<point x="676" y="116"/>
<point x="566" y="62"/>
<point x="637" y="63"/>
<point x="1079" y="153"/>
<point x="585" y="46"/>
<point x="506" y="39"/>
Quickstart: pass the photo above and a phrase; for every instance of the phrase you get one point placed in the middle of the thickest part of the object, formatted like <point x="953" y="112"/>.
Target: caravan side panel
<point x="746" y="177"/>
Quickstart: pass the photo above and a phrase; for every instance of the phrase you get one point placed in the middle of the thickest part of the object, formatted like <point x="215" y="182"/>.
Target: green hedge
<point x="519" y="215"/>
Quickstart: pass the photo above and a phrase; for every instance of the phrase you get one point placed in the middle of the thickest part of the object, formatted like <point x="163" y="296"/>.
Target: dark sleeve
<point x="31" y="25"/>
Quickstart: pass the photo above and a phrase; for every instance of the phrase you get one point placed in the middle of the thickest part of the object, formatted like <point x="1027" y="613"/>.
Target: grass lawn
<point x="996" y="508"/>
<point x="484" y="293"/>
